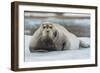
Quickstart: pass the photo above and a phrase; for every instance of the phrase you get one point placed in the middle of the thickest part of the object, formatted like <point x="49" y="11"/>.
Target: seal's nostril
<point x="47" y="30"/>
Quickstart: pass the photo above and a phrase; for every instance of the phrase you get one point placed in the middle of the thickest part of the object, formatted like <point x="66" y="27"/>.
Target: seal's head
<point x="48" y="30"/>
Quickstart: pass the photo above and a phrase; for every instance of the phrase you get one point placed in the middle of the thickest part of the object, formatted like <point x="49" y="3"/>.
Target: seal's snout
<point x="47" y="31"/>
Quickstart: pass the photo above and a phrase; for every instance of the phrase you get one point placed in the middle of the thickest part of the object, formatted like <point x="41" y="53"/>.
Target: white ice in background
<point x="82" y="53"/>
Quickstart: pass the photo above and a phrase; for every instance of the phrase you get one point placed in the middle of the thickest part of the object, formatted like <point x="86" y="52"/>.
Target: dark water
<point x="80" y="27"/>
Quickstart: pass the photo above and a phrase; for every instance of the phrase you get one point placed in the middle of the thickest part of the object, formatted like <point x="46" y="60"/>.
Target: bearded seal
<point x="54" y="37"/>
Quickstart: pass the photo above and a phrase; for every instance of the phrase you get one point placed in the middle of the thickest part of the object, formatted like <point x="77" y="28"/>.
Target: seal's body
<point x="54" y="37"/>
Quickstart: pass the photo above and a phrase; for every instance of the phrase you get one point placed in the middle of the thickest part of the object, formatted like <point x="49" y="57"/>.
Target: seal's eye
<point x="50" y="27"/>
<point x="44" y="27"/>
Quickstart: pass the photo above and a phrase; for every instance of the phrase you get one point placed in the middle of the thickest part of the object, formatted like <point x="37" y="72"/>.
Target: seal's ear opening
<point x="55" y="33"/>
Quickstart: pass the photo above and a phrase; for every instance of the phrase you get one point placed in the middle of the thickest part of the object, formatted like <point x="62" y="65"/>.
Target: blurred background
<point x="77" y="23"/>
